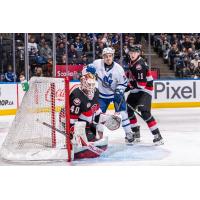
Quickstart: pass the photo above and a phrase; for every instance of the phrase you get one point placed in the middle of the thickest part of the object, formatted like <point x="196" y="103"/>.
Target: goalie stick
<point x="91" y="147"/>
<point x="106" y="85"/>
<point x="56" y="129"/>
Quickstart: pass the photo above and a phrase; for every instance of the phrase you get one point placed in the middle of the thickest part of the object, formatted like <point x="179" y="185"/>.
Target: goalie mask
<point x="88" y="83"/>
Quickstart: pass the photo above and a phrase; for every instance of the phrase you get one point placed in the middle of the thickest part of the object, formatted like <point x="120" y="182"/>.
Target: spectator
<point x="45" y="51"/>
<point x="33" y="50"/>
<point x="180" y="65"/>
<point x="189" y="71"/>
<point x="49" y="67"/>
<point x="173" y="53"/>
<point x="84" y="60"/>
<point x="174" y="38"/>
<point x="187" y="43"/>
<point x="197" y="44"/>
<point x="99" y="49"/>
<point x="131" y="41"/>
<point x="196" y="60"/>
<point x="32" y="47"/>
<point x="78" y="44"/>
<point x="86" y="45"/>
<point x="72" y="54"/>
<point x="116" y="47"/>
<point x="2" y="77"/>
<point x="197" y="71"/>
<point x="19" y="37"/>
<point x="38" y="71"/>
<point x="10" y="76"/>
<point x="60" y="52"/>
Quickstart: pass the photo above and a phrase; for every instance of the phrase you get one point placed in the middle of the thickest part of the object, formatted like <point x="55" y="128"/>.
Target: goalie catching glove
<point x="112" y="122"/>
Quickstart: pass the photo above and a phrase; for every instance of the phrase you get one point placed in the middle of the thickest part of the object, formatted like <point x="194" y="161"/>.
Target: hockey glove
<point x="119" y="94"/>
<point x="91" y="69"/>
<point x="131" y="85"/>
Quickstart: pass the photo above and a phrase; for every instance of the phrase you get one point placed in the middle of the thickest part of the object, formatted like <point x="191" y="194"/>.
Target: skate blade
<point x="129" y="143"/>
<point x="137" y="140"/>
<point x="161" y="142"/>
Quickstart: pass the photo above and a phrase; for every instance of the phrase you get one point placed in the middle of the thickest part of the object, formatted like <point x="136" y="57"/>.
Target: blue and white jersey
<point x="114" y="77"/>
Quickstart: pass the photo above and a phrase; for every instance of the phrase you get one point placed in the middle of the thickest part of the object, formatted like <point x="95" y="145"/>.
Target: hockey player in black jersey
<point x="140" y="96"/>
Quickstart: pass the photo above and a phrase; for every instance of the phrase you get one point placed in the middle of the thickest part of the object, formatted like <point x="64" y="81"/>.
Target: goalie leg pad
<point x="79" y="131"/>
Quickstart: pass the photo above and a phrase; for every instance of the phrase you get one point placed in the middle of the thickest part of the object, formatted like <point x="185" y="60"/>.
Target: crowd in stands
<point x="180" y="51"/>
<point x="71" y="48"/>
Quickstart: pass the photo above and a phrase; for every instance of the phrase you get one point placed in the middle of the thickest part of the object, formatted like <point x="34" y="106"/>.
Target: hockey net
<point x="35" y="133"/>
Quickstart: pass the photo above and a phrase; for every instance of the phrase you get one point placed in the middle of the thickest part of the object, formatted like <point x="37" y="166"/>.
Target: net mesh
<point x="29" y="138"/>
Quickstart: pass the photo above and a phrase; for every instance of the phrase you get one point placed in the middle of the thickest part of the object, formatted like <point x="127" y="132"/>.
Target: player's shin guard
<point x="135" y="128"/>
<point x="129" y="139"/>
<point x="125" y="122"/>
<point x="152" y="124"/>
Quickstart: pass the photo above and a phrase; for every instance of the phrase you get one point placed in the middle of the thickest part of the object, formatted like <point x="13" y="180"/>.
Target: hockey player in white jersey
<point x="112" y="83"/>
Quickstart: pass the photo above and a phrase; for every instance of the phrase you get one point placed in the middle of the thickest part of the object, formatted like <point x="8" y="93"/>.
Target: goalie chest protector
<point x="81" y="106"/>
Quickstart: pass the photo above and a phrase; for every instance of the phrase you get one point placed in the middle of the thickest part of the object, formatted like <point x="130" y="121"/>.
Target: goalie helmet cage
<point x="35" y="134"/>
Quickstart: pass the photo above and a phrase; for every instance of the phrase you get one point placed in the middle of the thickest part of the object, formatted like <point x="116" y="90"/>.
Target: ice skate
<point x="136" y="131"/>
<point x="129" y="139"/>
<point x="158" y="140"/>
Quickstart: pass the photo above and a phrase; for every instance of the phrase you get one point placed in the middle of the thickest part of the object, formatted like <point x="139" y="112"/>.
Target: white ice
<point x="179" y="127"/>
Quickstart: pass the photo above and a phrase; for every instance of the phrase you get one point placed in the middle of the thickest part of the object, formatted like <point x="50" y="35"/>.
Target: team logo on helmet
<point x="77" y="101"/>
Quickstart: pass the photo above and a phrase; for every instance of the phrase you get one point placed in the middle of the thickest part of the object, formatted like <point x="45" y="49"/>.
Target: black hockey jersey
<point x="82" y="108"/>
<point x="140" y="78"/>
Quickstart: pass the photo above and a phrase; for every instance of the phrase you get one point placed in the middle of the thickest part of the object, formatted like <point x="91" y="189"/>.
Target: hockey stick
<point x="106" y="85"/>
<point x="91" y="147"/>
<point x="50" y="126"/>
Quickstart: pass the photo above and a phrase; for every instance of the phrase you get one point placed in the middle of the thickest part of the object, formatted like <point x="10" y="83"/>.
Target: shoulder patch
<point x="138" y="67"/>
<point x="88" y="105"/>
<point x="77" y="101"/>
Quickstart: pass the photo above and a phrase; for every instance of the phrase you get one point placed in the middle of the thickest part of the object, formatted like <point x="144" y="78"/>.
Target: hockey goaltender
<point x="86" y="119"/>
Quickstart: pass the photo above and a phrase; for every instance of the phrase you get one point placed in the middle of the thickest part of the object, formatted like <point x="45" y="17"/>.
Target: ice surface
<point x="180" y="129"/>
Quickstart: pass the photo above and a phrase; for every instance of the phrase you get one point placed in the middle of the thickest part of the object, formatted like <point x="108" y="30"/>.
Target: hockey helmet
<point x="108" y="50"/>
<point x="134" y="48"/>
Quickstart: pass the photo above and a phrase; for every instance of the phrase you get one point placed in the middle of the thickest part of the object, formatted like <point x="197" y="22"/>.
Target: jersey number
<point x="75" y="109"/>
<point x="140" y="76"/>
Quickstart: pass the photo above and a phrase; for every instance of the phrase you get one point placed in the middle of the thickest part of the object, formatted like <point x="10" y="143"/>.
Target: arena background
<point x="150" y="16"/>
